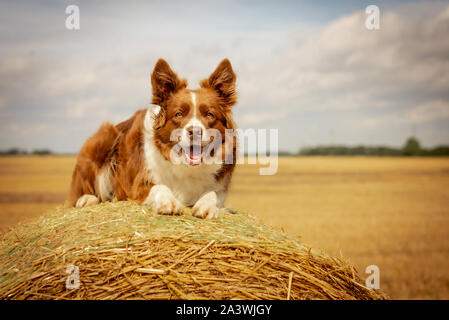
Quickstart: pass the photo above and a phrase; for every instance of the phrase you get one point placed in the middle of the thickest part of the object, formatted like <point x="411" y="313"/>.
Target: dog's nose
<point x="194" y="131"/>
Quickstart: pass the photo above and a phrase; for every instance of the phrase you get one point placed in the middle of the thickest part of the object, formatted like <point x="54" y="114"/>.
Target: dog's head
<point x="194" y="120"/>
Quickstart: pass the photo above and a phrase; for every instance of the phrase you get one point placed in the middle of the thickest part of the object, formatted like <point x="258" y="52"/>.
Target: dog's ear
<point x="222" y="80"/>
<point x="164" y="82"/>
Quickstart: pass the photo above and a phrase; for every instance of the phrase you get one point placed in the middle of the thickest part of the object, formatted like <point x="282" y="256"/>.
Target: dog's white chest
<point x="186" y="183"/>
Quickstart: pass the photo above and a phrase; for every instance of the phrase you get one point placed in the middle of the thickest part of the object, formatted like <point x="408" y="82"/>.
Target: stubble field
<point x="389" y="212"/>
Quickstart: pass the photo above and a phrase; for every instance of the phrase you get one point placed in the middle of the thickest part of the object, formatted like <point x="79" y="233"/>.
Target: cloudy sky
<point x="310" y="69"/>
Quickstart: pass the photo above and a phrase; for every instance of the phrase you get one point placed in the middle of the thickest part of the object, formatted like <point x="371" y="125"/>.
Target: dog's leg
<point x="92" y="175"/>
<point x="207" y="206"/>
<point x="162" y="200"/>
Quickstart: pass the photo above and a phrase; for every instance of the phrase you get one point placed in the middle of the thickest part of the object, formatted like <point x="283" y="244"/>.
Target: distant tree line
<point x="412" y="147"/>
<point x="18" y="151"/>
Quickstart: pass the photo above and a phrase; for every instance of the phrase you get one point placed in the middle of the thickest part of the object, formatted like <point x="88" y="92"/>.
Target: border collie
<point x="134" y="160"/>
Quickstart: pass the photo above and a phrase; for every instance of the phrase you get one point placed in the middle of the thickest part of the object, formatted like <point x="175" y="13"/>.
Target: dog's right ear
<point x="164" y="82"/>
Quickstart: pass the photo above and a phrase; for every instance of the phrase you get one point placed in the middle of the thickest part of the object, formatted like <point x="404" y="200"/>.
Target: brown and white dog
<point x="132" y="160"/>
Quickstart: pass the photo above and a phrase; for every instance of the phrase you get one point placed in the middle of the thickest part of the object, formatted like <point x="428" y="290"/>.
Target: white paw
<point x="162" y="200"/>
<point x="206" y="207"/>
<point x="86" y="200"/>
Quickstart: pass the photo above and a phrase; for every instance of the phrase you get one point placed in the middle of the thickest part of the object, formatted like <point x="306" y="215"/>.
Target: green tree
<point x="412" y="147"/>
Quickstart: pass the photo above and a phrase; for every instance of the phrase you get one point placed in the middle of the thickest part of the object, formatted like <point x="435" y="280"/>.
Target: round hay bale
<point x="121" y="250"/>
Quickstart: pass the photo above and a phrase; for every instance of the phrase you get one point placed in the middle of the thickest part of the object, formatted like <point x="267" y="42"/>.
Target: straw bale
<point x="125" y="251"/>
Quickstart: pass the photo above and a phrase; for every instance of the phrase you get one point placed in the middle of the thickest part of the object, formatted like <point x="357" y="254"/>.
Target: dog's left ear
<point x="222" y="80"/>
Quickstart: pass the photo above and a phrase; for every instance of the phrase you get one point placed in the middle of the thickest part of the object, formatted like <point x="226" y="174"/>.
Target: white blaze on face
<point x="195" y="121"/>
<point x="193" y="153"/>
<point x="194" y="104"/>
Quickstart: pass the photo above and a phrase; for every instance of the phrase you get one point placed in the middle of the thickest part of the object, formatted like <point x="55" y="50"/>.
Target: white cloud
<point x="406" y="55"/>
<point x="394" y="76"/>
<point x="429" y="111"/>
<point x="256" y="118"/>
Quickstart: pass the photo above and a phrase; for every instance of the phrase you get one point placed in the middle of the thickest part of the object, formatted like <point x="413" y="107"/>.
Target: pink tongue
<point x="195" y="154"/>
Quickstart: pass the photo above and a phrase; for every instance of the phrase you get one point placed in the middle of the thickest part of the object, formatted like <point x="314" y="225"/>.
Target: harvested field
<point x="390" y="212"/>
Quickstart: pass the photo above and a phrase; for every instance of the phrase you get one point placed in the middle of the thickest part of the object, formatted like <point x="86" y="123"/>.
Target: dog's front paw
<point x="206" y="207"/>
<point x="86" y="200"/>
<point x="162" y="201"/>
<point x="169" y="207"/>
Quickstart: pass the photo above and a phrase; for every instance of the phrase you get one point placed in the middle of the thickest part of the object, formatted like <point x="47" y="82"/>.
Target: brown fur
<point x="121" y="146"/>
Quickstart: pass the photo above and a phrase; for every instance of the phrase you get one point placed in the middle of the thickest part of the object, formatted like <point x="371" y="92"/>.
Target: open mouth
<point x="193" y="155"/>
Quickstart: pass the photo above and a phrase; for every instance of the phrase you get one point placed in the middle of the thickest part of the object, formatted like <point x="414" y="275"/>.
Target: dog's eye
<point x="210" y="115"/>
<point x="178" y="114"/>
